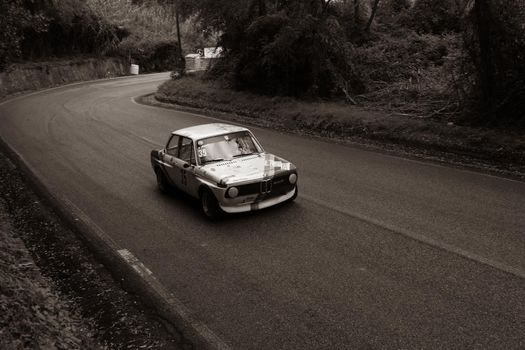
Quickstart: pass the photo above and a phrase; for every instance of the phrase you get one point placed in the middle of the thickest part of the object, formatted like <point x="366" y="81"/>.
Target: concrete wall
<point x="35" y="76"/>
<point x="199" y="63"/>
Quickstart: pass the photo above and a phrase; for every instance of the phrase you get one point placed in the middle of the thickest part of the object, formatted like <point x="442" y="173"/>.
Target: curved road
<point x="377" y="252"/>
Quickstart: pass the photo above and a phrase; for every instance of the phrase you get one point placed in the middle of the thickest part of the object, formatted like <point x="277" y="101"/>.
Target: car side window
<point x="173" y="146"/>
<point x="186" y="151"/>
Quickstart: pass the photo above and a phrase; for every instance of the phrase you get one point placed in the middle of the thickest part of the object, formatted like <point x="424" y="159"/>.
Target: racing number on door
<point x="186" y="151"/>
<point x="184" y="180"/>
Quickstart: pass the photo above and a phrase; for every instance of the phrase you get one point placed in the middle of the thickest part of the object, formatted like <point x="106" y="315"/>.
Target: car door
<point x="170" y="157"/>
<point x="186" y="164"/>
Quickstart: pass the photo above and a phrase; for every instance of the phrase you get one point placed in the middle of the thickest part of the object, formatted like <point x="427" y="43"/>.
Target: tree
<point x="15" y="19"/>
<point x="281" y="47"/>
<point x="482" y="13"/>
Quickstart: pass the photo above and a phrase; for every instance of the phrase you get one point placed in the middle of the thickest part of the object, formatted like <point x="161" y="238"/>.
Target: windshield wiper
<point x="214" y="160"/>
<point x="244" y="154"/>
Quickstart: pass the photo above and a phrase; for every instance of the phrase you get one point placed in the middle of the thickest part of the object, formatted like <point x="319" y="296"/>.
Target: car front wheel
<point x="162" y="182"/>
<point x="210" y="205"/>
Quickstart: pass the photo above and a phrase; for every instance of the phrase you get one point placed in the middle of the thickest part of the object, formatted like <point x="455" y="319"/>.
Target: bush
<point x="15" y="20"/>
<point x="436" y="16"/>
<point x="298" y="56"/>
<point x="400" y="56"/>
<point x="152" y="56"/>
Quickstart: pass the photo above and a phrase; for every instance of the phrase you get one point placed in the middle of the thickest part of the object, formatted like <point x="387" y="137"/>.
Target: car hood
<point x="245" y="169"/>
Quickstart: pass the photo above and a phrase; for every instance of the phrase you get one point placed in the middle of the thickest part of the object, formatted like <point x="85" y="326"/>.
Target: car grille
<point x="277" y="186"/>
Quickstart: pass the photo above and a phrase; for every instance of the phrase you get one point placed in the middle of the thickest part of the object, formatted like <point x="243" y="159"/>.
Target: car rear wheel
<point x="210" y="205"/>
<point x="162" y="182"/>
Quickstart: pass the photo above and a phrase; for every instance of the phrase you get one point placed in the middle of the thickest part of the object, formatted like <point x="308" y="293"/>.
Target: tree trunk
<point x="372" y="15"/>
<point x="486" y="64"/>
<point x="182" y="62"/>
<point x="262" y="8"/>
<point x="356" y="13"/>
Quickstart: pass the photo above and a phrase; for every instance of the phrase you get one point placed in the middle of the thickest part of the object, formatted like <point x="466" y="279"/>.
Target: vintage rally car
<point x="225" y="167"/>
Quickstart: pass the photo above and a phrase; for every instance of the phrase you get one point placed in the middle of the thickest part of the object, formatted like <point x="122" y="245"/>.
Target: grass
<point x="342" y="121"/>
<point x="410" y="73"/>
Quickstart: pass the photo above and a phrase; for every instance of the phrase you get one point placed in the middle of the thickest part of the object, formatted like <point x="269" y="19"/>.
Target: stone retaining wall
<point x="34" y="76"/>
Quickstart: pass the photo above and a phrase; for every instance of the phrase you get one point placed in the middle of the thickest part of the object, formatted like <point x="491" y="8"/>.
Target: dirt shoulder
<point x="496" y="151"/>
<point x="53" y="291"/>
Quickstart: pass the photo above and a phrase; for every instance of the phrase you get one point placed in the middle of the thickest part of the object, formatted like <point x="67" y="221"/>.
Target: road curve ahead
<point x="377" y="252"/>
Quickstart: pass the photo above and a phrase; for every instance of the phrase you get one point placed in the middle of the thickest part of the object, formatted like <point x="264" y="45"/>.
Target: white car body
<point x="260" y="179"/>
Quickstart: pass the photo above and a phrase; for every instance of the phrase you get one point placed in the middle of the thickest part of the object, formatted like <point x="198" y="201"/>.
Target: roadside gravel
<point x="53" y="292"/>
<point x="33" y="314"/>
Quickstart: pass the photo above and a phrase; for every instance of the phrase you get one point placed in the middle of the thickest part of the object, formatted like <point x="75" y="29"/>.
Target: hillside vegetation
<point x="151" y="31"/>
<point x="141" y="31"/>
<point x="43" y="29"/>
<point x="462" y="60"/>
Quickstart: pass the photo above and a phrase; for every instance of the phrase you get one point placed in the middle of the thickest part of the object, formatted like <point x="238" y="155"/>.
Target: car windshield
<point x="226" y="147"/>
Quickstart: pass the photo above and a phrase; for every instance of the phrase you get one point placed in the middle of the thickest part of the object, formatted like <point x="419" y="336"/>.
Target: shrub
<point x="15" y="20"/>
<point x="436" y="16"/>
<point x="391" y="57"/>
<point x="152" y="56"/>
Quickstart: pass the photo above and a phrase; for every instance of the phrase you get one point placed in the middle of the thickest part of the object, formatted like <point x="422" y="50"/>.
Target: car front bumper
<point x="256" y="205"/>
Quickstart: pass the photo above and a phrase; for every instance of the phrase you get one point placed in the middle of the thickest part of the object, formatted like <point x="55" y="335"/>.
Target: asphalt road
<point x="377" y="252"/>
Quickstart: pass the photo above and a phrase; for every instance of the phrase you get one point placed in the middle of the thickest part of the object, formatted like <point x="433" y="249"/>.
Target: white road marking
<point x="518" y="272"/>
<point x="135" y="262"/>
<point x="149" y="140"/>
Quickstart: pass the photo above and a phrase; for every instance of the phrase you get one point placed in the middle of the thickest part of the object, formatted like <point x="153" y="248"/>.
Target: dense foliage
<point x="15" y="20"/>
<point x="436" y="17"/>
<point x="32" y="30"/>
<point x="496" y="44"/>
<point x="37" y="29"/>
<point x="295" y="53"/>
<point x="141" y="31"/>
<point x="441" y="57"/>
<point x="281" y="47"/>
<point x="446" y="56"/>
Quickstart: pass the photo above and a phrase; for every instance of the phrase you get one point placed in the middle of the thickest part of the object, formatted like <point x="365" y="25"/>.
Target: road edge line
<point x="123" y="268"/>
<point x="433" y="243"/>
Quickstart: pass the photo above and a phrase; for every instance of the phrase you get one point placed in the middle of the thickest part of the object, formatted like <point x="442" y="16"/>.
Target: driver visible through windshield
<point x="226" y="147"/>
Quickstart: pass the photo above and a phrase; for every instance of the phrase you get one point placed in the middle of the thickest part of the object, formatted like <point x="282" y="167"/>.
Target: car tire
<point x="210" y="206"/>
<point x="162" y="182"/>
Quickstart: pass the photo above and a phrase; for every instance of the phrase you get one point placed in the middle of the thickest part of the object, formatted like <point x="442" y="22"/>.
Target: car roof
<point x="208" y="130"/>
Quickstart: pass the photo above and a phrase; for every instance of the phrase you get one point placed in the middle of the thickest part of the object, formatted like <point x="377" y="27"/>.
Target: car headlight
<point x="292" y="178"/>
<point x="233" y="192"/>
